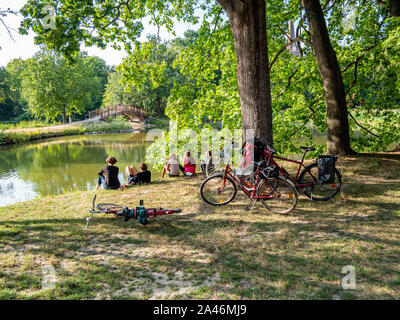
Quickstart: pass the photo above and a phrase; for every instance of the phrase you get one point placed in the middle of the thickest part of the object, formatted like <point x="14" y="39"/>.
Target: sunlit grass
<point x="24" y="124"/>
<point x="207" y="252"/>
<point x="19" y="135"/>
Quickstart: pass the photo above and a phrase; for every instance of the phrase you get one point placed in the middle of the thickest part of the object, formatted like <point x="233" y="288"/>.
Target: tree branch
<point x="357" y="123"/>
<point x="231" y="6"/>
<point x="356" y="61"/>
<point x="314" y="102"/>
<point x="209" y="38"/>
<point x="8" y="29"/>
<point x="326" y="8"/>
<point x="289" y="82"/>
<point x="298" y="129"/>
<point x="3" y="13"/>
<point x="381" y="3"/>
<point x="355" y="77"/>
<point x="289" y="43"/>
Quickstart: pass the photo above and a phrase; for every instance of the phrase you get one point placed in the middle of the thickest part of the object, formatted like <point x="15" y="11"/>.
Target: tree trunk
<point x="248" y="24"/>
<point x="159" y="107"/>
<point x="64" y="117"/>
<point x="394" y="8"/>
<point x="336" y="107"/>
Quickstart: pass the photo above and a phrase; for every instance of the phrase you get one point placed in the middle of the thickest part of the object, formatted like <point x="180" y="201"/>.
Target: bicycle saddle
<point x="307" y="148"/>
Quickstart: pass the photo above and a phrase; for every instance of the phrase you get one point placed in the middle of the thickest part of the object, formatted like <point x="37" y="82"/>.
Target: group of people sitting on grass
<point x="108" y="176"/>
<point x="174" y="168"/>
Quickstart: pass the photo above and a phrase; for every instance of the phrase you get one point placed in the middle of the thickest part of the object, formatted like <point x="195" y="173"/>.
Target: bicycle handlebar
<point x="270" y="149"/>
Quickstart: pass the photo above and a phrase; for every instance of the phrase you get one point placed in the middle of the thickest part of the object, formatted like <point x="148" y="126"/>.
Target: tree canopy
<point x="48" y="86"/>
<point x="364" y="35"/>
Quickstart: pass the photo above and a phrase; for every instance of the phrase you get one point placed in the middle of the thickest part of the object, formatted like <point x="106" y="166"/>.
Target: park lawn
<point x="207" y="252"/>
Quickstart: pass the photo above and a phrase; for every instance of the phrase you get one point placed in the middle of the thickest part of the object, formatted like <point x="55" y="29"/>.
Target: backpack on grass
<point x="326" y="169"/>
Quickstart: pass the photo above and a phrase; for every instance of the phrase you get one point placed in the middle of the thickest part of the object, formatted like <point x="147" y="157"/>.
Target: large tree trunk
<point x="336" y="107"/>
<point x="394" y="8"/>
<point x="248" y="24"/>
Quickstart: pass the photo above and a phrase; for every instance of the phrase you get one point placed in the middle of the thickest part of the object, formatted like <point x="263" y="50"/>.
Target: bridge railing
<point x="117" y="110"/>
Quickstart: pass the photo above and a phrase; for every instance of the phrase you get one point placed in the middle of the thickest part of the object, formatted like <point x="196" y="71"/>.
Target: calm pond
<point x="55" y="166"/>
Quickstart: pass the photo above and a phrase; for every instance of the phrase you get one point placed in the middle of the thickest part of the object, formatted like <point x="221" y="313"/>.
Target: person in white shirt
<point x="172" y="167"/>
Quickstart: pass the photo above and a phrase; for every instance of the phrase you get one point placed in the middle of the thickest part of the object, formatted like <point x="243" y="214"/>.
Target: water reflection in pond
<point x="59" y="165"/>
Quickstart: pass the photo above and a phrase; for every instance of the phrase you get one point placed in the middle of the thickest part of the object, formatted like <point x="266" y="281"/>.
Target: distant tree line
<point x="49" y="87"/>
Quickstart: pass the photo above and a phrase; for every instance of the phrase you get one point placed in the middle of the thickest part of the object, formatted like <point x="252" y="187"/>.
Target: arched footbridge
<point x="133" y="113"/>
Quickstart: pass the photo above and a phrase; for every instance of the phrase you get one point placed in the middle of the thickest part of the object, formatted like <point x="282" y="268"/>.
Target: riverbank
<point x="207" y="252"/>
<point x="15" y="136"/>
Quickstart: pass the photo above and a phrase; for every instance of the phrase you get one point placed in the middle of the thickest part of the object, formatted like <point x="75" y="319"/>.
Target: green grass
<point x="24" y="124"/>
<point x="207" y="252"/>
<point x="159" y="121"/>
<point x="21" y="135"/>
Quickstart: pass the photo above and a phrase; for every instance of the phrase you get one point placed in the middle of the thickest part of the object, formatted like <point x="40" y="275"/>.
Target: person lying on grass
<point x="108" y="176"/>
<point x="144" y="176"/>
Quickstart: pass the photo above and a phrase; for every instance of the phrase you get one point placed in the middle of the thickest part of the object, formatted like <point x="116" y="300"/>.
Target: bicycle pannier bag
<point x="269" y="172"/>
<point x="326" y="169"/>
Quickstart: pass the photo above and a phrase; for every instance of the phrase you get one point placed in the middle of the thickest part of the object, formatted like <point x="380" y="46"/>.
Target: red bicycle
<point x="140" y="213"/>
<point x="307" y="180"/>
<point x="278" y="195"/>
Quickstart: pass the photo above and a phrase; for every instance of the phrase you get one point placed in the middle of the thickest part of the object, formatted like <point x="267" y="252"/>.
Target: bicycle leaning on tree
<point x="277" y="194"/>
<point x="319" y="181"/>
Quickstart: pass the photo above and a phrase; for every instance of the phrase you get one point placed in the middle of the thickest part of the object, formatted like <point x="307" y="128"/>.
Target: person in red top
<point x="189" y="164"/>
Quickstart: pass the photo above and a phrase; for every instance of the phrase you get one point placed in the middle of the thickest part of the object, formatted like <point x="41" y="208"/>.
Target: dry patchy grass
<point x="207" y="252"/>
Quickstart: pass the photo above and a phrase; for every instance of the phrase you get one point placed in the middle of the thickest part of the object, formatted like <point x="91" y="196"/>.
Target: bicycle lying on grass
<point x="140" y="213"/>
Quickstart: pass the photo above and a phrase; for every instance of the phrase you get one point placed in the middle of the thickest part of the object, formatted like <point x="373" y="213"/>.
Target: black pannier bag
<point x="326" y="169"/>
<point x="269" y="172"/>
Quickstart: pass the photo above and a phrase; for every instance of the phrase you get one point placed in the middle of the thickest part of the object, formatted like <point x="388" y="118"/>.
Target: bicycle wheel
<point x="320" y="192"/>
<point x="110" y="208"/>
<point x="214" y="191"/>
<point x="280" y="195"/>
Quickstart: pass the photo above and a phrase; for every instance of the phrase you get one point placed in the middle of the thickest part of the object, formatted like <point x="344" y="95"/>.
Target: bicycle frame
<point x="271" y="160"/>
<point x="239" y="181"/>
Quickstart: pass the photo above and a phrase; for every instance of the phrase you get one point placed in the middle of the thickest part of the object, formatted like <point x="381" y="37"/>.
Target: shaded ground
<point x="207" y="252"/>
